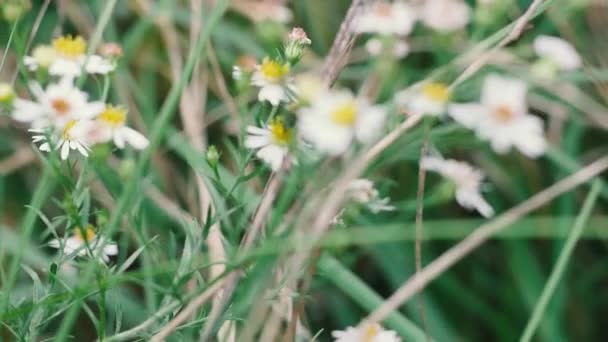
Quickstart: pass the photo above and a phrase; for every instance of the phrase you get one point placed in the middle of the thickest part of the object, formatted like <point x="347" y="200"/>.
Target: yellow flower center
<point x="438" y="92"/>
<point x="68" y="127"/>
<point x="113" y="116"/>
<point x="61" y="106"/>
<point x="69" y="46"/>
<point x="345" y="114"/>
<point x="503" y="113"/>
<point x="370" y="332"/>
<point x="280" y="134"/>
<point x="273" y="70"/>
<point x="89" y="234"/>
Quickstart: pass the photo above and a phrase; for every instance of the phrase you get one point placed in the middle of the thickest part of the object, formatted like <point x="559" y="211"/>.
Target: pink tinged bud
<point x="111" y="50"/>
<point x="298" y="35"/>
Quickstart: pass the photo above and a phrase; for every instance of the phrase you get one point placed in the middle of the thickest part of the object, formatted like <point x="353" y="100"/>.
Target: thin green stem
<point x="561" y="264"/>
<point x="8" y="44"/>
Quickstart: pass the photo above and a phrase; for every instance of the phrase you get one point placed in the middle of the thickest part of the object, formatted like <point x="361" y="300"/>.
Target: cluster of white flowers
<point x="393" y="21"/>
<point x="61" y="116"/>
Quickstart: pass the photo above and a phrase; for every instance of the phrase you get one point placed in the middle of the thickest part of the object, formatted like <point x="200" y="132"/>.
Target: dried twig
<point x="481" y="235"/>
<point x="21" y="157"/>
<point x="513" y="35"/>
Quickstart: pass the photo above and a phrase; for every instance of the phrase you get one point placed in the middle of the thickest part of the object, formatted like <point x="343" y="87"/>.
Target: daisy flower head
<point x="446" y="15"/>
<point x="430" y="98"/>
<point x="86" y="242"/>
<point x="502" y="117"/>
<point x="271" y="142"/>
<point x="56" y="105"/>
<point x="467" y="180"/>
<point x="67" y="58"/>
<point x="366" y="333"/>
<point x="272" y="77"/>
<point x="558" y="52"/>
<point x="386" y="18"/>
<point x="335" y="118"/>
<point x="110" y="125"/>
<point x="74" y="137"/>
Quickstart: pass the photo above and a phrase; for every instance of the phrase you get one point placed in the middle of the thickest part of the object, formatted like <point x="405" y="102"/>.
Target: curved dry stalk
<point x="481" y="235"/>
<point x="513" y="35"/>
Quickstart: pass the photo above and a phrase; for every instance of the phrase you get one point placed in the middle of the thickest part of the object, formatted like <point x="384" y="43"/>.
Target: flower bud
<point x="7" y="94"/>
<point x="44" y="55"/>
<point x="111" y="50"/>
<point x="12" y="10"/>
<point x="294" y="49"/>
<point x="213" y="156"/>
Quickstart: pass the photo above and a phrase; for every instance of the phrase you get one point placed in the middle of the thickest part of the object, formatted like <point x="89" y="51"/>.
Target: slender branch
<point x="481" y="235"/>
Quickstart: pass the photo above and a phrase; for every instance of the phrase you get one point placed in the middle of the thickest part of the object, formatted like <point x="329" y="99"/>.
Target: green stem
<point x="561" y="264"/>
<point x="8" y="44"/>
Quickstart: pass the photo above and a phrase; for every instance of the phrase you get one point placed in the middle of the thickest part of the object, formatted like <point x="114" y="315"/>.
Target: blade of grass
<point x="561" y="264"/>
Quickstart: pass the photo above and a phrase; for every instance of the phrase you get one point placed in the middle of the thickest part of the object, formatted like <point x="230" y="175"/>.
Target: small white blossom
<point x="366" y="333"/>
<point x="362" y="190"/>
<point x="272" y="142"/>
<point x="88" y="244"/>
<point x="467" y="180"/>
<point x="502" y="117"/>
<point x="396" y="48"/>
<point x="428" y="99"/>
<point x="55" y="106"/>
<point x="110" y="125"/>
<point x="336" y="118"/>
<point x="74" y="137"/>
<point x="272" y="77"/>
<point x="67" y="58"/>
<point x="446" y="15"/>
<point x="386" y="18"/>
<point x="558" y="51"/>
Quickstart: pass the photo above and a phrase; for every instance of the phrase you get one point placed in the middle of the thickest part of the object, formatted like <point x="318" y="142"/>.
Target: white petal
<point x="273" y="155"/>
<point x="370" y="123"/>
<point x="272" y="93"/>
<point x="559" y="51"/>
<point x="98" y="65"/>
<point x="65" y="150"/>
<point x="31" y="63"/>
<point x="446" y="15"/>
<point x="256" y="141"/>
<point x="65" y="67"/>
<point x="498" y="91"/>
<point x="137" y="140"/>
<point x="257" y="130"/>
<point x="471" y="199"/>
<point x="468" y="114"/>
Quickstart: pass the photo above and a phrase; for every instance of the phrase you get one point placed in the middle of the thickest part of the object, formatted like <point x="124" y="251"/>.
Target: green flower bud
<point x="213" y="156"/>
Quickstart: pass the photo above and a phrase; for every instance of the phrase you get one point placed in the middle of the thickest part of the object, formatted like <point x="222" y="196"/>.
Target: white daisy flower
<point x="467" y="180"/>
<point x="272" y="142"/>
<point x="367" y="333"/>
<point x="272" y="77"/>
<point x="362" y="191"/>
<point x="68" y="58"/>
<point x="110" y="125"/>
<point x="502" y="117"/>
<point x="429" y="99"/>
<point x="74" y="137"/>
<point x="336" y="118"/>
<point x="446" y="15"/>
<point x="558" y="51"/>
<point x="57" y="105"/>
<point x="87" y="244"/>
<point x="386" y="18"/>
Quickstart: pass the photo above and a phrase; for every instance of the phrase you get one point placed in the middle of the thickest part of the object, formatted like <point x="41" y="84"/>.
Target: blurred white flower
<point x="502" y="117"/>
<point x="308" y="87"/>
<point x="558" y="51"/>
<point x="87" y="244"/>
<point x="272" y="142"/>
<point x="396" y="48"/>
<point x="272" y="10"/>
<point x="362" y="190"/>
<point x="366" y="333"/>
<point x="59" y="104"/>
<point x="386" y="18"/>
<point x="110" y="125"/>
<point x="467" y="180"/>
<point x="272" y="77"/>
<point x="67" y="58"/>
<point x="446" y="15"/>
<point x="335" y="118"/>
<point x="430" y="98"/>
<point x="74" y="137"/>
